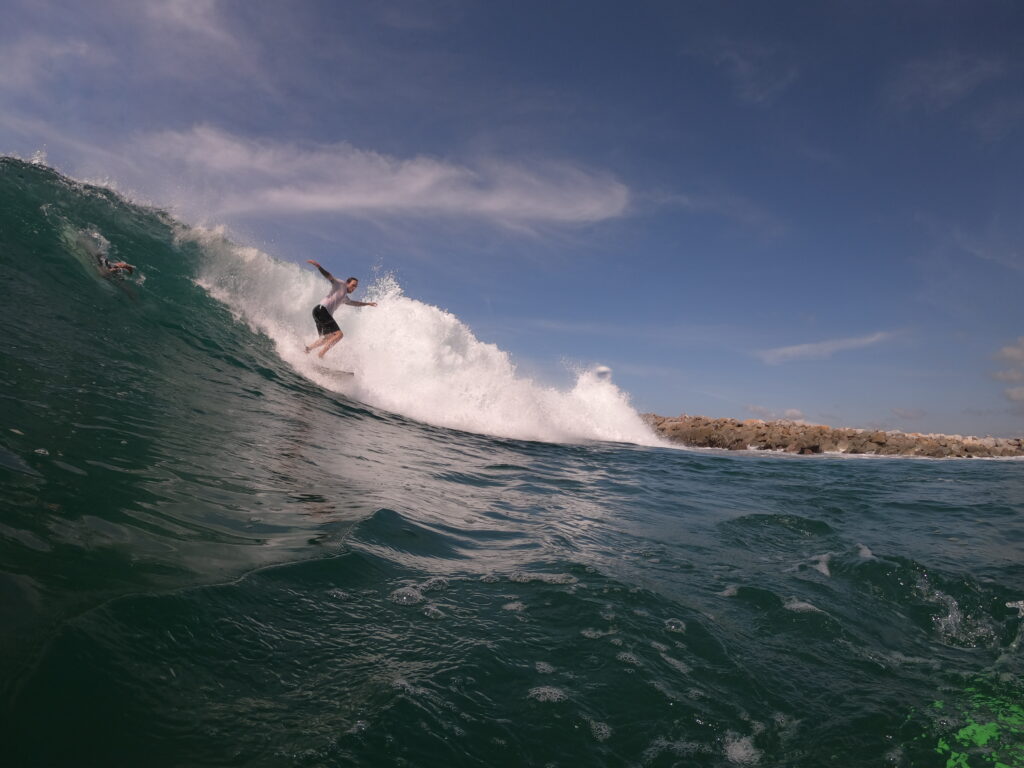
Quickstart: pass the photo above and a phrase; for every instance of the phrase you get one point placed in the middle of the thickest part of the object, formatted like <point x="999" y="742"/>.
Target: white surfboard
<point x="333" y="371"/>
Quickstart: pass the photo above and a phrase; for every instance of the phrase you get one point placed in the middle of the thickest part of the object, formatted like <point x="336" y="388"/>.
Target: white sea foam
<point x="521" y="577"/>
<point x="403" y="685"/>
<point x="547" y="693"/>
<point x="675" y="625"/>
<point x="410" y="357"/>
<point x="407" y="596"/>
<point x="821" y="564"/>
<point x="801" y="606"/>
<point x="601" y="731"/>
<point x="740" y="750"/>
<point x="676" y="664"/>
<point x="680" y="748"/>
<point x="434" y="584"/>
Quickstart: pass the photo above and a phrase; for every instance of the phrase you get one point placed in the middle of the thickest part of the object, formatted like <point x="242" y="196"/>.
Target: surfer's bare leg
<point x="315" y="344"/>
<point x="331" y="340"/>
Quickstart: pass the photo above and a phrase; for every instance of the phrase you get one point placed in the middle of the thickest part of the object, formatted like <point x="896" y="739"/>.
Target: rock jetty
<point x="799" y="437"/>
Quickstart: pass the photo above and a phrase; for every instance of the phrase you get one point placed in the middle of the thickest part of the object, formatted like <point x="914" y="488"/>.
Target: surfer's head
<point x="352" y="283"/>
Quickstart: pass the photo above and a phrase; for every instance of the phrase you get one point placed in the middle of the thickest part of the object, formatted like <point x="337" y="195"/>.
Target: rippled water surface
<point x="207" y="558"/>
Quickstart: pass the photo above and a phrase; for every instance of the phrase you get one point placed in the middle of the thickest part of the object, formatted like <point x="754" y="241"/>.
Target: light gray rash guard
<point x="336" y="297"/>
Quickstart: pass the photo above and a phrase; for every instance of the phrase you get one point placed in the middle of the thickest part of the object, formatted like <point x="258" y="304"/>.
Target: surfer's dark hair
<point x="351" y="279"/>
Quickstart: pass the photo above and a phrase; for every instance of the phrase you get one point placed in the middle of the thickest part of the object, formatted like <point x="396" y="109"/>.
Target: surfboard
<point x="333" y="371"/>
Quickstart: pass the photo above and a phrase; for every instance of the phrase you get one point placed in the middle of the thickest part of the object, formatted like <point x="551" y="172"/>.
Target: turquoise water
<point x="209" y="558"/>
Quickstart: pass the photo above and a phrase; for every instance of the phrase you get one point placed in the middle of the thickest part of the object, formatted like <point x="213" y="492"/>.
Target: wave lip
<point x="412" y="358"/>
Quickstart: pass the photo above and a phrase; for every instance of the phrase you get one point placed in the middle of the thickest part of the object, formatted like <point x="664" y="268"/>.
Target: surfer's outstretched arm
<point x="323" y="271"/>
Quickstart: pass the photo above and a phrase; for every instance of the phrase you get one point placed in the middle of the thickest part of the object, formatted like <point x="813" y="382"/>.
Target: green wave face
<point x="153" y="440"/>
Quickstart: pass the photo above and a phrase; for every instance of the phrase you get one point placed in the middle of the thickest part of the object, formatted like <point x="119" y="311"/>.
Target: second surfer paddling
<point x="326" y="325"/>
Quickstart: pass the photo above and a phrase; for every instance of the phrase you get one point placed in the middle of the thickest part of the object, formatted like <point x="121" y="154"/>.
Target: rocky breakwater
<point x="798" y="437"/>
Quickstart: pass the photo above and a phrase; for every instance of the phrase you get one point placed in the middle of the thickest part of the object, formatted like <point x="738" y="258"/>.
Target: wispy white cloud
<point x="999" y="242"/>
<point x="199" y="17"/>
<point x="734" y="207"/>
<point x="759" y="73"/>
<point x="1013" y="352"/>
<point x="30" y="62"/>
<point x="1008" y="376"/>
<point x="999" y="120"/>
<point x="91" y="156"/>
<point x="188" y="39"/>
<point x="253" y="176"/>
<point x="208" y="174"/>
<point x="819" y="350"/>
<point x="938" y="82"/>
<point x="1016" y="394"/>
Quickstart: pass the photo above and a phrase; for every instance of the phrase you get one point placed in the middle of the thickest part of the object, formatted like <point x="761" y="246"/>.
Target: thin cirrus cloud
<point x="759" y="73"/>
<point x="33" y="60"/>
<point x="258" y="176"/>
<point x="938" y="82"/>
<point x="200" y="17"/>
<point x="1014" y="354"/>
<point x="736" y="208"/>
<point x="998" y="243"/>
<point x="820" y="350"/>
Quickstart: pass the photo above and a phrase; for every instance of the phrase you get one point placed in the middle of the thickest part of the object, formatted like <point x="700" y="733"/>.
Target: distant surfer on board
<point x="326" y="325"/>
<point x="114" y="268"/>
<point x="96" y="246"/>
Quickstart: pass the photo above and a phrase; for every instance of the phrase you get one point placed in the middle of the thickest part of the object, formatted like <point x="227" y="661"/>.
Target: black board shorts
<point x="325" y="324"/>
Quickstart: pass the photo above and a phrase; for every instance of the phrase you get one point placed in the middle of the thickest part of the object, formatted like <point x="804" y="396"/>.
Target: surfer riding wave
<point x="326" y="326"/>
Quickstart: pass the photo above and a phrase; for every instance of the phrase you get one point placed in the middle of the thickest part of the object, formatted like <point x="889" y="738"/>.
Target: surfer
<point x="96" y="246"/>
<point x="114" y="268"/>
<point x="326" y="325"/>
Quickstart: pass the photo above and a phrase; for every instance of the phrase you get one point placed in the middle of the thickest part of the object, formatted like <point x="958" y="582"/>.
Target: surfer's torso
<point x="337" y="297"/>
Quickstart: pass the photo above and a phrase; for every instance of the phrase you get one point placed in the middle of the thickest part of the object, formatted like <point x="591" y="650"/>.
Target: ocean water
<point x="213" y="553"/>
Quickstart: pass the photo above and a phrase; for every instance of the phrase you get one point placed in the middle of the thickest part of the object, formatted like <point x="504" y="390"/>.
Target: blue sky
<point x="745" y="209"/>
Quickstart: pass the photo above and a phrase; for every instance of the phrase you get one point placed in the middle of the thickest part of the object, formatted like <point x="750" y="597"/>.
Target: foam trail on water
<point x="412" y="358"/>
